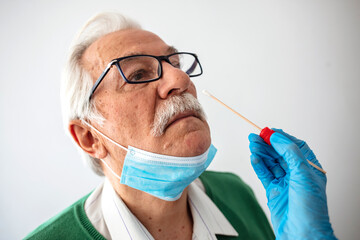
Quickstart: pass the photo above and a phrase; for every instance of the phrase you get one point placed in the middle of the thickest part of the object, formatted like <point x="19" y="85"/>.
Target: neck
<point x="163" y="219"/>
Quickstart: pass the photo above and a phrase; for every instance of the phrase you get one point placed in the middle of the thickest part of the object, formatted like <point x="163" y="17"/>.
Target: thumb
<point x="288" y="150"/>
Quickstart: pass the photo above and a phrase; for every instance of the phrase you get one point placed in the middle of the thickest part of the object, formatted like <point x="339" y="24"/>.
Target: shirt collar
<point x="120" y="221"/>
<point x="122" y="224"/>
<point x="208" y="219"/>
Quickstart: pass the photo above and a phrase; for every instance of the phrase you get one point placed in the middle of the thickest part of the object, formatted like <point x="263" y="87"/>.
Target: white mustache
<point x="175" y="105"/>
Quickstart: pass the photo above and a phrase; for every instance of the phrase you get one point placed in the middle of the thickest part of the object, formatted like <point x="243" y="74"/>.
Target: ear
<point x="86" y="139"/>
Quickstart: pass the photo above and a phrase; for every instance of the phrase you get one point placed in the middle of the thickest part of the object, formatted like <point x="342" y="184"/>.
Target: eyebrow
<point x="172" y="49"/>
<point x="169" y="50"/>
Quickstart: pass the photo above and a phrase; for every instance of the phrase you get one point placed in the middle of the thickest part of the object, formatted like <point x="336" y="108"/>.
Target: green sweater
<point x="231" y="195"/>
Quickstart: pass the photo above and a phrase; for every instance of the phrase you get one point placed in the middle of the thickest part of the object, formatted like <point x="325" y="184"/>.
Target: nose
<point x="173" y="81"/>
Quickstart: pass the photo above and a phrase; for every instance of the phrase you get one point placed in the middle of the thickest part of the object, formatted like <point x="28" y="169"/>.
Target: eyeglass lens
<point x="146" y="68"/>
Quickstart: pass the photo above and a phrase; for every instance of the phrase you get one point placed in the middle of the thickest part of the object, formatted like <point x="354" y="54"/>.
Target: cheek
<point x="132" y="114"/>
<point x="139" y="108"/>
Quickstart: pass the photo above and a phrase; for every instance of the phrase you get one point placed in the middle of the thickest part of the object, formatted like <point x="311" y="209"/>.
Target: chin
<point x="197" y="142"/>
<point x="191" y="144"/>
<point x="187" y="139"/>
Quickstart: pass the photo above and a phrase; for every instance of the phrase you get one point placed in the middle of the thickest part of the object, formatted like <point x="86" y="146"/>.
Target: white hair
<point x="77" y="82"/>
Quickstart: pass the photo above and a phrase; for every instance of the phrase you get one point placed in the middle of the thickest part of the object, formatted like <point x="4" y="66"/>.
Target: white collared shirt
<point x="111" y="217"/>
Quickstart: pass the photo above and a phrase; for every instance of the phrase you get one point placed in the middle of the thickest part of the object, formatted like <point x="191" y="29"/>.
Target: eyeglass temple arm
<point x="98" y="81"/>
<point x="192" y="68"/>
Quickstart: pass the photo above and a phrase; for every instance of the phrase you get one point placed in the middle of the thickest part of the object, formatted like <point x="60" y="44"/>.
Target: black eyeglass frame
<point x="159" y="58"/>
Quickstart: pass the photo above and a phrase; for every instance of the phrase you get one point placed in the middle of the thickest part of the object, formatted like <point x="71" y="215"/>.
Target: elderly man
<point x="131" y="107"/>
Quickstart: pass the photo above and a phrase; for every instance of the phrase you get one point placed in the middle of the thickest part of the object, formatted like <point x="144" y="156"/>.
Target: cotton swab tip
<point x="206" y="93"/>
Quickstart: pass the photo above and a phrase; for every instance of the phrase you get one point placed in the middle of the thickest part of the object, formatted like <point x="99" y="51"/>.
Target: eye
<point x="138" y="76"/>
<point x="176" y="64"/>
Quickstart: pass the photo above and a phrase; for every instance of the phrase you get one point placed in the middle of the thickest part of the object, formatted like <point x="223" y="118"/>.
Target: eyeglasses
<point x="138" y="69"/>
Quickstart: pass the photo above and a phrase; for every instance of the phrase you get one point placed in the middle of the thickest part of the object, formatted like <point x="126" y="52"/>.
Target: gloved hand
<point x="295" y="190"/>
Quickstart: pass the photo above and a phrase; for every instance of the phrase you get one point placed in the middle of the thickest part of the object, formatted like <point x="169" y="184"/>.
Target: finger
<point x="256" y="138"/>
<point x="277" y="170"/>
<point x="262" y="172"/>
<point x="283" y="165"/>
<point x="268" y="155"/>
<point x="304" y="148"/>
<point x="259" y="147"/>
<point x="297" y="141"/>
<point x="288" y="150"/>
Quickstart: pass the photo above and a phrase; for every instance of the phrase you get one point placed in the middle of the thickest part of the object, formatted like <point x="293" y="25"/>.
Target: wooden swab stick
<point x="208" y="94"/>
<point x="256" y="126"/>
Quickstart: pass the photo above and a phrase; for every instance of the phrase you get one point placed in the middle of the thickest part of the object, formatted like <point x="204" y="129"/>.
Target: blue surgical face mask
<point x="162" y="176"/>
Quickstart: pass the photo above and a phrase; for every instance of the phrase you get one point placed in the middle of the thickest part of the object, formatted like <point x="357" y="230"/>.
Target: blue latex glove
<point x="295" y="190"/>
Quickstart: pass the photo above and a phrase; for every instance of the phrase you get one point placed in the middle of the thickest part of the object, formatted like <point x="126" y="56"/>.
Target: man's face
<point x="129" y="109"/>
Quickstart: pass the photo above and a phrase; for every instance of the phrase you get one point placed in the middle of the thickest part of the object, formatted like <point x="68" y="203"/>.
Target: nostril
<point x="172" y="90"/>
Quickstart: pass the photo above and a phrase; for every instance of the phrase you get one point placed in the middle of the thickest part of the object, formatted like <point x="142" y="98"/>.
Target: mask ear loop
<point x="112" y="171"/>
<point x="110" y="140"/>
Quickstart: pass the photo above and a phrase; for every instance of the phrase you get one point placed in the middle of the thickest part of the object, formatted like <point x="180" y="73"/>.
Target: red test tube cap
<point x="266" y="134"/>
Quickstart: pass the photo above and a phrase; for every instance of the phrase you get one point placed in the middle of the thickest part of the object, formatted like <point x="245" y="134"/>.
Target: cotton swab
<point x="265" y="133"/>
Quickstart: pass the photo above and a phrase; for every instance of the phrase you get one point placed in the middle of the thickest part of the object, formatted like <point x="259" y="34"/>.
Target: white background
<point x="287" y="64"/>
